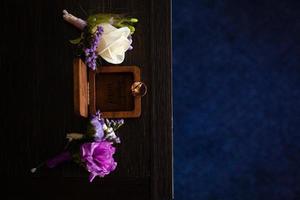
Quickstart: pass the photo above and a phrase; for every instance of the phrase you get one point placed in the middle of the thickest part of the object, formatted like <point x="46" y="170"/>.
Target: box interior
<point x="113" y="91"/>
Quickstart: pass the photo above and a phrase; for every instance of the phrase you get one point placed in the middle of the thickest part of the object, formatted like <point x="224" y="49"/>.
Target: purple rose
<point x="98" y="158"/>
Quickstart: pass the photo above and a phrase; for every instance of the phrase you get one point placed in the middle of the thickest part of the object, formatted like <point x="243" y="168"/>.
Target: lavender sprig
<point x="90" y="52"/>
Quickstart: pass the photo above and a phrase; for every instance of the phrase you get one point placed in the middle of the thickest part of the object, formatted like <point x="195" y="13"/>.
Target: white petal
<point x="114" y="43"/>
<point x="115" y="53"/>
<point x="107" y="28"/>
<point x="106" y="55"/>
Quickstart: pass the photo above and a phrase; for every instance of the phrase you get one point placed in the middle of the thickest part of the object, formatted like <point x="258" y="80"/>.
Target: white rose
<point x="114" y="43"/>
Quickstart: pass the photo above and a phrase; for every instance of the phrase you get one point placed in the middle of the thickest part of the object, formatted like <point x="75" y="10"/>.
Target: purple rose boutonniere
<point x="94" y="150"/>
<point x="98" y="158"/>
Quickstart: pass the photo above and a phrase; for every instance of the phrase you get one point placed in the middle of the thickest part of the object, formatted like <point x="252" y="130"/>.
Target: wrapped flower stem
<point x="60" y="158"/>
<point x="75" y="21"/>
<point x="55" y="161"/>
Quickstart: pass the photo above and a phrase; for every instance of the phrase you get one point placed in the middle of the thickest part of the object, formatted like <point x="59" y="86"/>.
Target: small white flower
<point x="104" y="127"/>
<point x="33" y="170"/>
<point x="114" y="43"/>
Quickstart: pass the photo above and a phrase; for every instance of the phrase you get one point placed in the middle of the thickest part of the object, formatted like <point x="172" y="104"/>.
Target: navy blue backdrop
<point x="236" y="67"/>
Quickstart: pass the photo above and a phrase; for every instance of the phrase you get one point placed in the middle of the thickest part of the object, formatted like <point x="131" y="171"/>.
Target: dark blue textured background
<point x="236" y="67"/>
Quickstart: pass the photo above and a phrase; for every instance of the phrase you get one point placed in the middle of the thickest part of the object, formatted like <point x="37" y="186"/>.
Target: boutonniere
<point x="92" y="150"/>
<point x="106" y="36"/>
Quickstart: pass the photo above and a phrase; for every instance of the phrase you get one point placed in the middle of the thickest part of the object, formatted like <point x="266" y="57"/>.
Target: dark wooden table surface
<point x="37" y="101"/>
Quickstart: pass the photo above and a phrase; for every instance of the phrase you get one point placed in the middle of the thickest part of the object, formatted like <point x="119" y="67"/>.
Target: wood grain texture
<point x="161" y="79"/>
<point x="81" y="98"/>
<point x="37" y="106"/>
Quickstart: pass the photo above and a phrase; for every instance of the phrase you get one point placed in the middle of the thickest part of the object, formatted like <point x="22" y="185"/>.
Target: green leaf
<point x="76" y="41"/>
<point x="134" y="20"/>
<point x="95" y="20"/>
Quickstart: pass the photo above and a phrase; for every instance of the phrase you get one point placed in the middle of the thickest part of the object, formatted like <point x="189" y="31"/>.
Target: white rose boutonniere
<point x="106" y="36"/>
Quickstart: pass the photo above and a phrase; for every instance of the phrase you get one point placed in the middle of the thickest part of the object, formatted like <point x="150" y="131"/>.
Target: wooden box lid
<point x="108" y="89"/>
<point x="80" y="88"/>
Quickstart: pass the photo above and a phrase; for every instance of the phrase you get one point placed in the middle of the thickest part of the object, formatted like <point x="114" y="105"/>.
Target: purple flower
<point x="97" y="123"/>
<point x="98" y="127"/>
<point x="98" y="158"/>
<point x="90" y="52"/>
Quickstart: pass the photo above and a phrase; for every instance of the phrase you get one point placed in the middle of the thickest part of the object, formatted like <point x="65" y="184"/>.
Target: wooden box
<point x="107" y="89"/>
